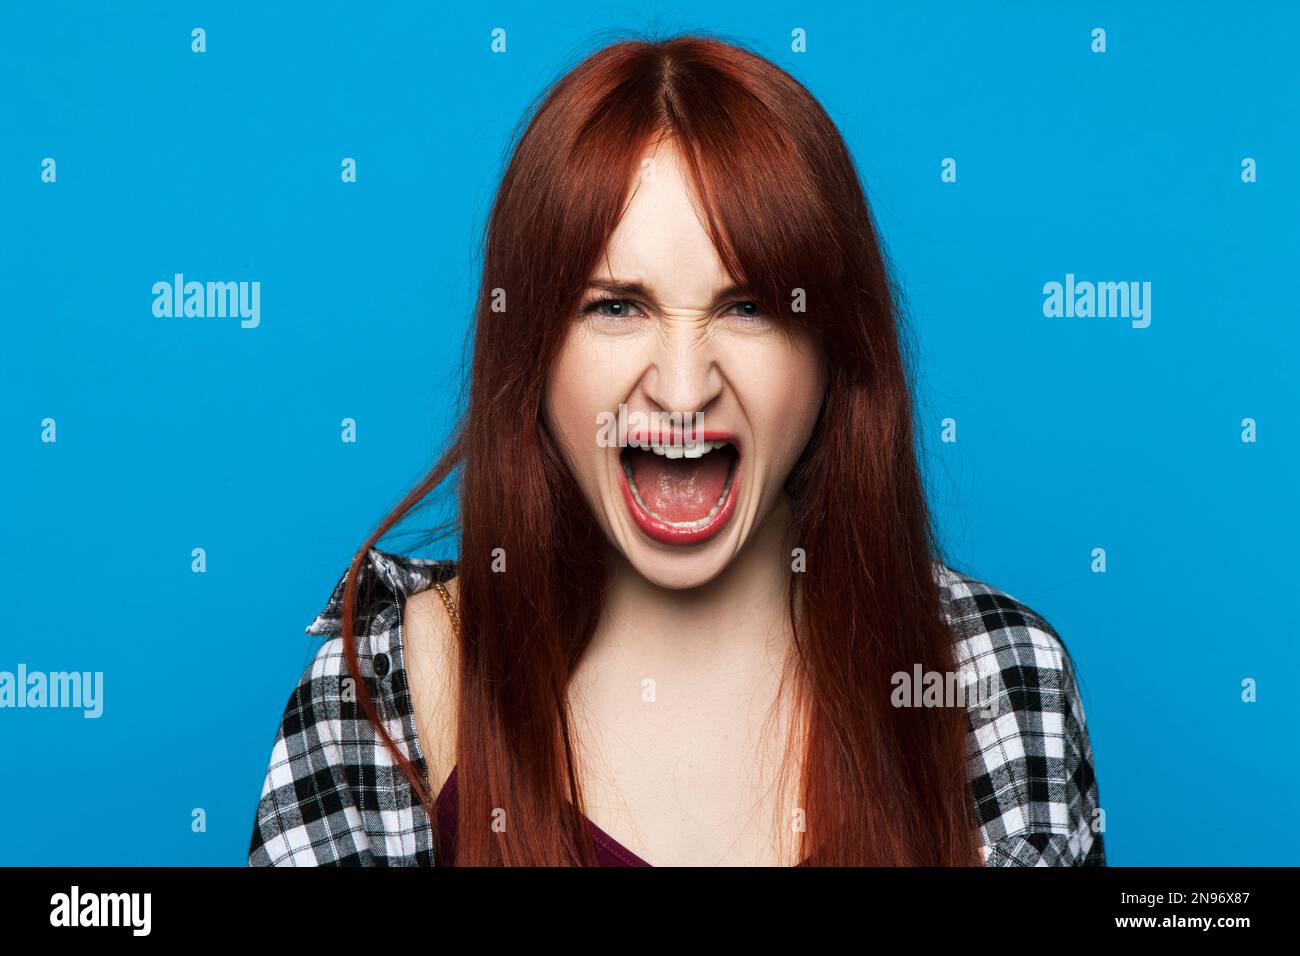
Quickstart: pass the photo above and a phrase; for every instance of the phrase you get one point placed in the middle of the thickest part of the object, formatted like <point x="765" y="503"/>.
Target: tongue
<point x="679" y="489"/>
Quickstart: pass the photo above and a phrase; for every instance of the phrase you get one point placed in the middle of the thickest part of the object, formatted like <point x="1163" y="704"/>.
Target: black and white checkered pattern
<point x="1030" y="763"/>
<point x="334" y="796"/>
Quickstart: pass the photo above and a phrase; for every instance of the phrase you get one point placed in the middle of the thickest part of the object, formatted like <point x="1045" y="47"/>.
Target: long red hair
<point x="878" y="784"/>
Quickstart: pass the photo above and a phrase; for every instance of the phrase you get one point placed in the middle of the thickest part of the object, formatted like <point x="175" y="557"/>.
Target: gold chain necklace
<point x="449" y="604"/>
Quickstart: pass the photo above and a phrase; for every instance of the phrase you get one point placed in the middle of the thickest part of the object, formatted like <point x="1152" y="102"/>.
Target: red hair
<point x="783" y="203"/>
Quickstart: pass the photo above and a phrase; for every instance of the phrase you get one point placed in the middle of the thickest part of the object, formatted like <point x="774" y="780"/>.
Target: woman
<point x="698" y="595"/>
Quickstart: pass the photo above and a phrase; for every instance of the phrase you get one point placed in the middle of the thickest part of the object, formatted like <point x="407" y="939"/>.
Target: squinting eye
<point x="747" y="310"/>
<point x="612" y="308"/>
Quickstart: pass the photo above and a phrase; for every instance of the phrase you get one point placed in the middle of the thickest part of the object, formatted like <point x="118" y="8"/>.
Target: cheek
<point x="565" y="404"/>
<point x="578" y="390"/>
<point x="782" y="391"/>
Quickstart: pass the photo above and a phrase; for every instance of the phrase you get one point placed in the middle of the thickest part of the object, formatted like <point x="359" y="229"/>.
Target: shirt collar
<point x="403" y="574"/>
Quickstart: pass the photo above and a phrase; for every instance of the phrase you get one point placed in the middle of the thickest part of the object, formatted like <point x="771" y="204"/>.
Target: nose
<point x="683" y="374"/>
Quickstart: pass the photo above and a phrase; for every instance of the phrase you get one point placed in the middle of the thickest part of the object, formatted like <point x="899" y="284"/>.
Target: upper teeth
<point x="688" y="450"/>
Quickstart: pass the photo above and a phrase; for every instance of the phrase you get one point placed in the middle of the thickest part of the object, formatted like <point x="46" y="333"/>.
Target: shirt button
<point x="380" y="664"/>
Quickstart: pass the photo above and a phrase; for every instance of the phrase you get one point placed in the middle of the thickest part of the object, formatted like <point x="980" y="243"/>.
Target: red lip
<point x="665" y="533"/>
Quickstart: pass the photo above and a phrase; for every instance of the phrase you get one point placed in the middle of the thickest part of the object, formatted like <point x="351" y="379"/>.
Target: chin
<point x="679" y="570"/>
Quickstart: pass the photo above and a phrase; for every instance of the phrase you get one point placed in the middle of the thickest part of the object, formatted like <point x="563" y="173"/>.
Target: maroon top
<point x="609" y="852"/>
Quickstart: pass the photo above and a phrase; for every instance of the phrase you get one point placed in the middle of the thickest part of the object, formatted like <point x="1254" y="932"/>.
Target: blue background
<point x="1073" y="433"/>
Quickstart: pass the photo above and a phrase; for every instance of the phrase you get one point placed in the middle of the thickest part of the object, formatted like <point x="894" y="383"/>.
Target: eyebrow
<point x="635" y="288"/>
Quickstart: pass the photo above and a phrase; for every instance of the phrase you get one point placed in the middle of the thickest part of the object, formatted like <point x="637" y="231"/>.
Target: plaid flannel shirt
<point x="333" y="795"/>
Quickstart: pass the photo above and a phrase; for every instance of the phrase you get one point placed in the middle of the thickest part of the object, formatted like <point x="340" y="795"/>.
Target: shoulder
<point x="1031" y="762"/>
<point x="427" y="611"/>
<point x="333" y="793"/>
<point x="999" y="635"/>
<point x="431" y="660"/>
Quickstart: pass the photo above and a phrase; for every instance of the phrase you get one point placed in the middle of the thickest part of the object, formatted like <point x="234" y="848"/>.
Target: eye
<point x="610" y="308"/>
<point x="746" y="310"/>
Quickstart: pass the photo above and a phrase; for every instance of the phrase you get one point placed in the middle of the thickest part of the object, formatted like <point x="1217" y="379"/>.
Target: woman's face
<point x="674" y="336"/>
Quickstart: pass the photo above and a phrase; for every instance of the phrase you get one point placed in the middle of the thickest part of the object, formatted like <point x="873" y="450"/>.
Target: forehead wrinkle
<point x="686" y="314"/>
<point x="684" y="334"/>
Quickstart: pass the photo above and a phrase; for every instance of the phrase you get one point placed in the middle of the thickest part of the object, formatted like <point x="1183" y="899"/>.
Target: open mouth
<point x="681" y="493"/>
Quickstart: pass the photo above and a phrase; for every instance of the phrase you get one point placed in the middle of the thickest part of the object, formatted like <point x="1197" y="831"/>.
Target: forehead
<point x="661" y="240"/>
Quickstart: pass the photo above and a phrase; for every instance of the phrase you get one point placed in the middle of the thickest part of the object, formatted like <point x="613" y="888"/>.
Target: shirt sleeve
<point x="1078" y="841"/>
<point x="306" y="814"/>
<point x="1086" y="845"/>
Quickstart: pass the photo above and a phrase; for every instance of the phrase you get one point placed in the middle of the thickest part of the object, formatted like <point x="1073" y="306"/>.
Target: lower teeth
<point x="682" y="525"/>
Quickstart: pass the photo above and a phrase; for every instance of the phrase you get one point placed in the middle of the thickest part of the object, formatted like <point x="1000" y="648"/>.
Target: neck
<point x="742" y="612"/>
